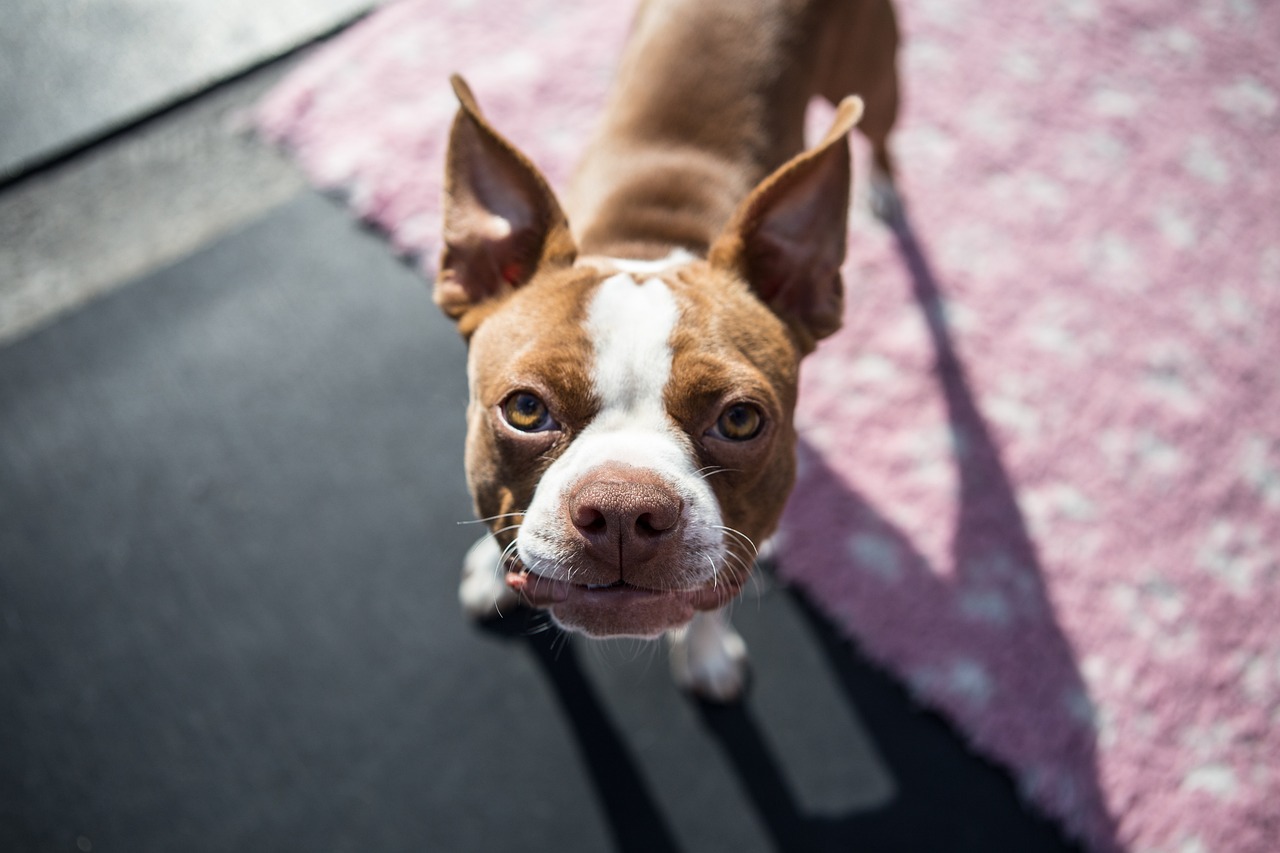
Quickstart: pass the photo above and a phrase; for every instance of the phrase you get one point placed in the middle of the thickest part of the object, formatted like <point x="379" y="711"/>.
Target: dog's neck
<point x="682" y="143"/>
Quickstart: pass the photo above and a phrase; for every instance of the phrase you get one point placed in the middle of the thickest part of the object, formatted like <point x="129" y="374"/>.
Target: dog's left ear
<point x="787" y="239"/>
<point x="501" y="221"/>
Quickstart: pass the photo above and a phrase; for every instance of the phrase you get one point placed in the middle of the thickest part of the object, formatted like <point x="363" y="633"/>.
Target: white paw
<point x="483" y="591"/>
<point x="886" y="204"/>
<point x="709" y="658"/>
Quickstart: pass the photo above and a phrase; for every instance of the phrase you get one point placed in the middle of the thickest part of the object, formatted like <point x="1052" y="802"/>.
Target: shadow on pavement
<point x="632" y="813"/>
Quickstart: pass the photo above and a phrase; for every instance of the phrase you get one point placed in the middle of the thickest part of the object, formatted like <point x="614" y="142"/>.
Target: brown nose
<point x="624" y="516"/>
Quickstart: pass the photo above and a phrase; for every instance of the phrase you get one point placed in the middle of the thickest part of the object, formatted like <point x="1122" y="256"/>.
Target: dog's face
<point x="630" y="424"/>
<point x="641" y="427"/>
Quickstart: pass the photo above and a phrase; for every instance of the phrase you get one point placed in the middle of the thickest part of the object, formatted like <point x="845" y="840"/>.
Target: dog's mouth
<point x="542" y="591"/>
<point x="618" y="609"/>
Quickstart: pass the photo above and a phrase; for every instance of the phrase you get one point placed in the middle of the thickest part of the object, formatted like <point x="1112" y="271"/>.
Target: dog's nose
<point x="624" y="519"/>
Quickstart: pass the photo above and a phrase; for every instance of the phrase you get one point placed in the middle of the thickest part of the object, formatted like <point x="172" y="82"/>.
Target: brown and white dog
<point x="633" y="355"/>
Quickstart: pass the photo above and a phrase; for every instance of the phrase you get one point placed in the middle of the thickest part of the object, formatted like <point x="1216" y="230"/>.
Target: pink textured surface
<point x="1041" y="463"/>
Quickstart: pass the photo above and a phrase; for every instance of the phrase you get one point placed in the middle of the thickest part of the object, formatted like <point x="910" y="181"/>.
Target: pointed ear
<point x="787" y="240"/>
<point x="501" y="220"/>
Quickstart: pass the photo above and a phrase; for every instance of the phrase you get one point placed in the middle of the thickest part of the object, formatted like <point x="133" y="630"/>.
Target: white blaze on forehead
<point x="630" y="327"/>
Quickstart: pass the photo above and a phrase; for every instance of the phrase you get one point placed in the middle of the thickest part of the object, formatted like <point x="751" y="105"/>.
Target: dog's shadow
<point x="935" y="806"/>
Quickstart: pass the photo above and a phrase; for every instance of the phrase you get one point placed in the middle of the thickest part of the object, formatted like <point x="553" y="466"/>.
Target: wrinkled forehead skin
<point x="726" y="347"/>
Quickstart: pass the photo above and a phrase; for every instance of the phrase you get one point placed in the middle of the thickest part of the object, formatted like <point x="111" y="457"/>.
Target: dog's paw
<point x="483" y="591"/>
<point x="886" y="203"/>
<point x="709" y="659"/>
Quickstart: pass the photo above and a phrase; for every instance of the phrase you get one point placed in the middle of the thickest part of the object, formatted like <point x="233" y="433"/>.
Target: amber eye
<point x="739" y="422"/>
<point x="527" y="413"/>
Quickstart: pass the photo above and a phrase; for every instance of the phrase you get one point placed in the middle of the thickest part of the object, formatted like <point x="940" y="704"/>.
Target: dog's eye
<point x="527" y="413"/>
<point x="739" y="422"/>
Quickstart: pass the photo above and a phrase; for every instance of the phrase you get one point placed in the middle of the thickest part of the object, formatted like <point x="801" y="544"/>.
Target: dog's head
<point x="630" y="424"/>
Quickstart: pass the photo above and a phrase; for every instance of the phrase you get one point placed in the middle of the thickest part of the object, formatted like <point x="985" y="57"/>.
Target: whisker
<point x="490" y="518"/>
<point x="499" y="570"/>
<point x="650" y="652"/>
<point x="560" y="643"/>
<point x="740" y="536"/>
<point x="541" y="627"/>
<point x="756" y="586"/>
<point x="503" y="557"/>
<point x="737" y="561"/>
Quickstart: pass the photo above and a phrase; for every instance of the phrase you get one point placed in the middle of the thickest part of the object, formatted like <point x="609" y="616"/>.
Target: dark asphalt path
<point x="229" y="496"/>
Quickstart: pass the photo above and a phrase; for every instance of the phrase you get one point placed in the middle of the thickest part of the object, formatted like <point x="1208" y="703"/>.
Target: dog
<point x="633" y="355"/>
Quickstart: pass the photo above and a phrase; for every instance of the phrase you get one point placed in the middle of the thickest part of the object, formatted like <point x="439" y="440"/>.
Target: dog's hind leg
<point x="877" y="122"/>
<point x="860" y="57"/>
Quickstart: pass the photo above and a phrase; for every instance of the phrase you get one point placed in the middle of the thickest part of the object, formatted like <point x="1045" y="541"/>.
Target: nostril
<point x="590" y="520"/>
<point x="645" y="526"/>
<point x="662" y="516"/>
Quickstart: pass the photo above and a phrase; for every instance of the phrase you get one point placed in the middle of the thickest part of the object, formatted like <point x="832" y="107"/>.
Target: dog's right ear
<point x="501" y="221"/>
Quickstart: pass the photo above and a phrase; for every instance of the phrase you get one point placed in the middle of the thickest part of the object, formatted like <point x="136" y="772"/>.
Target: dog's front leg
<point x="483" y="591"/>
<point x="709" y="658"/>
